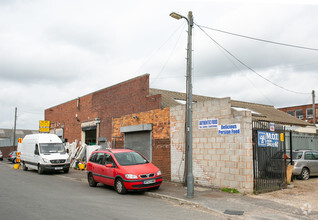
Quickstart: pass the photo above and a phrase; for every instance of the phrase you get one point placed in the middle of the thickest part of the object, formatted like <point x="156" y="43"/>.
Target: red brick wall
<point x="161" y="156"/>
<point x="160" y="120"/>
<point x="124" y="98"/>
<point x="303" y="108"/>
<point x="6" y="150"/>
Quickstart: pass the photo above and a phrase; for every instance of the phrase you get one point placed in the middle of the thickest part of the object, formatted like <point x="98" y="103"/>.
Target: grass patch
<point x="230" y="190"/>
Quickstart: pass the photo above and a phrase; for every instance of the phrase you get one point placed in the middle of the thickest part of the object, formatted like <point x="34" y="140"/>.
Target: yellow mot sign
<point x="44" y="126"/>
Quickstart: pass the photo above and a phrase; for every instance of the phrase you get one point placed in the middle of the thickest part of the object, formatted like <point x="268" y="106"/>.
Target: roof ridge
<point x="232" y="100"/>
<point x="182" y="93"/>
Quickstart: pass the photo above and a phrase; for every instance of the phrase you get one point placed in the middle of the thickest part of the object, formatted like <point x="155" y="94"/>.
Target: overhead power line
<point x="258" y="39"/>
<point x="241" y="62"/>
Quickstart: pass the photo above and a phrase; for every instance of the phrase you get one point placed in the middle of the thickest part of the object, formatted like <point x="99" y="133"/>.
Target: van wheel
<point x="91" y="181"/>
<point x="14" y="161"/>
<point x="40" y="169"/>
<point x="66" y="170"/>
<point x="120" y="187"/>
<point x="304" y="175"/>
<point x="25" y="168"/>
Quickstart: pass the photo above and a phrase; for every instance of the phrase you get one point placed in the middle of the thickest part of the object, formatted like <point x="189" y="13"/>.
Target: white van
<point x="43" y="152"/>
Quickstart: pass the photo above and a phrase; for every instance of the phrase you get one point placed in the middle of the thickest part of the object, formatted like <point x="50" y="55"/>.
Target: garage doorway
<point x="90" y="137"/>
<point x="90" y="132"/>
<point x="139" y="138"/>
<point x="139" y="141"/>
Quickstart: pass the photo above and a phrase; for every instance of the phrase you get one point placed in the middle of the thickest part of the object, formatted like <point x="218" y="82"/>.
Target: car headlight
<point x="159" y="173"/>
<point x="45" y="160"/>
<point x="130" y="176"/>
<point x="68" y="160"/>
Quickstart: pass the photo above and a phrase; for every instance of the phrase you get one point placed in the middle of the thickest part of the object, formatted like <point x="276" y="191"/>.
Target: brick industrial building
<point x="303" y="112"/>
<point x="131" y="114"/>
<point x="89" y="119"/>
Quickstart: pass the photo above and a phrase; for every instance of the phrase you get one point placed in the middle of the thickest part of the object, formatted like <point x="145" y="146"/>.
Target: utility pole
<point x="188" y="121"/>
<point x="15" y="125"/>
<point x="190" y="178"/>
<point x="313" y="108"/>
<point x="186" y="143"/>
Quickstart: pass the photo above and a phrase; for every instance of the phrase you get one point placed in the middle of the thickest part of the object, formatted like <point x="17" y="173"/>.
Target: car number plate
<point x="58" y="168"/>
<point x="149" y="181"/>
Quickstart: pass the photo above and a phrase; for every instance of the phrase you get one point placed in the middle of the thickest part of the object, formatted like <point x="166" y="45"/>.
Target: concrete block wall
<point x="160" y="120"/>
<point x="218" y="160"/>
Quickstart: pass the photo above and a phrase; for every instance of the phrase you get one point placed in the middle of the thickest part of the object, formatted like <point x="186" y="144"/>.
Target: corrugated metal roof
<point x="20" y="133"/>
<point x="260" y="112"/>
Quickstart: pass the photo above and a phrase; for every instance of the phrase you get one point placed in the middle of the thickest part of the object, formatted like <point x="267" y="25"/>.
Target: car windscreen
<point x="130" y="158"/>
<point x="50" y="148"/>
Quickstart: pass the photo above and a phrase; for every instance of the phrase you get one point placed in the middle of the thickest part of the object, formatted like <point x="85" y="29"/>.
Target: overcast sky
<point x="54" y="51"/>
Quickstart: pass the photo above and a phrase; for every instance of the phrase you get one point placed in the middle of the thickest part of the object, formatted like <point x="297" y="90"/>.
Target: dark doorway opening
<point x="90" y="137"/>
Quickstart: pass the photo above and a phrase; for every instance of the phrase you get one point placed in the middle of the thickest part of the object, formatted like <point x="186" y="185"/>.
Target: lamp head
<point x="176" y="15"/>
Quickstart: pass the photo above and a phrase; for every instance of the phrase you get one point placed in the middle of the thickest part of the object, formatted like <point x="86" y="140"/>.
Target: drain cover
<point x="233" y="212"/>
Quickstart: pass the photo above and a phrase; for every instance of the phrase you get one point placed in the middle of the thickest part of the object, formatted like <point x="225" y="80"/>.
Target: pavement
<point x="223" y="204"/>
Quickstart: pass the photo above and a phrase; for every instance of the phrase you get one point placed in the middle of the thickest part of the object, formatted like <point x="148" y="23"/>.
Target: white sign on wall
<point x="208" y="123"/>
<point x="229" y="129"/>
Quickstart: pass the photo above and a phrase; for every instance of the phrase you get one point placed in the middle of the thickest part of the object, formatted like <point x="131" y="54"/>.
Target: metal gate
<point x="268" y="157"/>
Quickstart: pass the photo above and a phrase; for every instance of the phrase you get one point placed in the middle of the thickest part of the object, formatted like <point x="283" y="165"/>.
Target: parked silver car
<point x="1" y="155"/>
<point x="305" y="163"/>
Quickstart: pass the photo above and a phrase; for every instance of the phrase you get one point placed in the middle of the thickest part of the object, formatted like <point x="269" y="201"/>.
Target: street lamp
<point x="188" y="124"/>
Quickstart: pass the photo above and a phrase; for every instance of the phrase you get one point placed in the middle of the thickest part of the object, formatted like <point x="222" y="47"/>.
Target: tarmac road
<point x="28" y="195"/>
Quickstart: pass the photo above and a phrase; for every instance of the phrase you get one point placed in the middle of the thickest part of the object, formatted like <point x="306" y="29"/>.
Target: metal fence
<point x="301" y="141"/>
<point x="7" y="142"/>
<point x="268" y="157"/>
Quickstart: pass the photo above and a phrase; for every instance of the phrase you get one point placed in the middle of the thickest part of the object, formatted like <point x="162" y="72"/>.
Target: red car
<point x="124" y="169"/>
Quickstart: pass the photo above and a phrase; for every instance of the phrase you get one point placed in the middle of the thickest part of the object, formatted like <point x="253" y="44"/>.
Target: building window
<point x="309" y="113"/>
<point x="299" y="114"/>
<point x="292" y="113"/>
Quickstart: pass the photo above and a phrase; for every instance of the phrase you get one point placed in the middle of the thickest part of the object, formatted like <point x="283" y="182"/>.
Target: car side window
<point x="109" y="159"/>
<point x="315" y="154"/>
<point x="101" y="158"/>
<point x="93" y="158"/>
<point x="308" y="156"/>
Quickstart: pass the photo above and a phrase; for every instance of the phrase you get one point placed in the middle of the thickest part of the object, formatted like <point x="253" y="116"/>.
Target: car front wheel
<point x="120" y="187"/>
<point x="304" y="175"/>
<point x="91" y="181"/>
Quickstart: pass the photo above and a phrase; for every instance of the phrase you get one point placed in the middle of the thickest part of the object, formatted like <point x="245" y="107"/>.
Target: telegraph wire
<point x="168" y="58"/>
<point x="156" y="51"/>
<point x="258" y="39"/>
<point x="241" y="62"/>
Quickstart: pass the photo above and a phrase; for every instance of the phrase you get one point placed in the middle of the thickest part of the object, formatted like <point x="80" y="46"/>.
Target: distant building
<point x="6" y="136"/>
<point x="303" y="112"/>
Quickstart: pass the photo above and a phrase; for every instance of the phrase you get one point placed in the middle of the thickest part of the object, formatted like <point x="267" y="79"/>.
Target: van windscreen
<point x="52" y="148"/>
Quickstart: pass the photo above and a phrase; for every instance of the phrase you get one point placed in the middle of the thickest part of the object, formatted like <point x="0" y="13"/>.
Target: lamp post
<point x="188" y="124"/>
